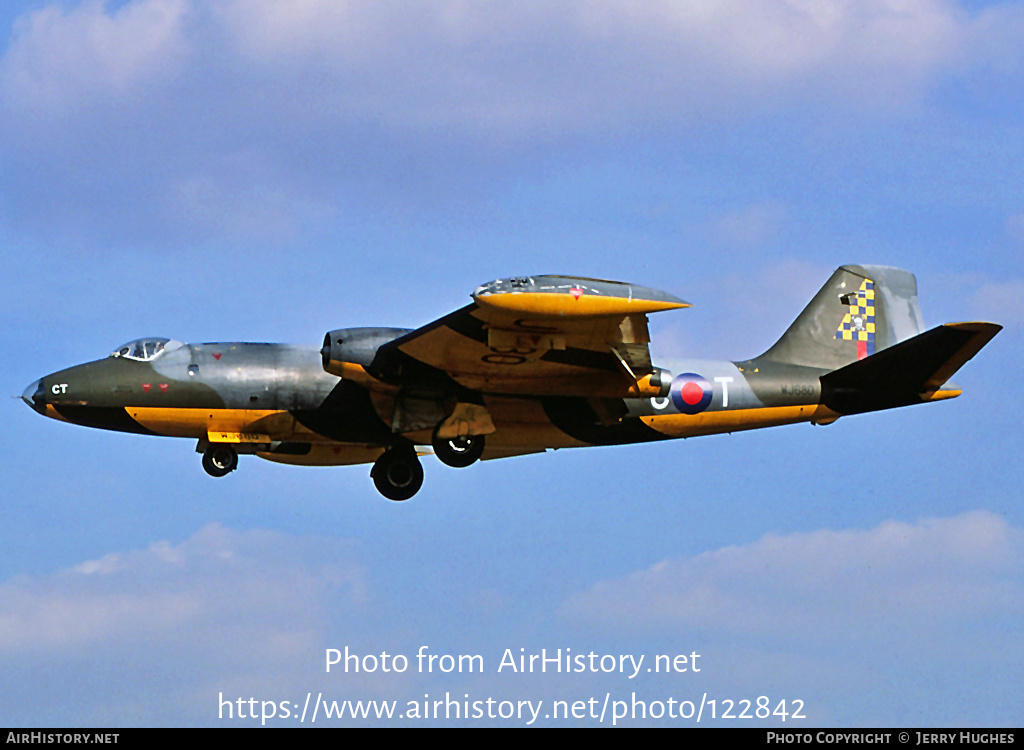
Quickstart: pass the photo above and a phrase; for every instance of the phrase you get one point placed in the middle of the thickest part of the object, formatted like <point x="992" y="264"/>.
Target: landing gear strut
<point x="457" y="452"/>
<point x="398" y="474"/>
<point x="220" y="460"/>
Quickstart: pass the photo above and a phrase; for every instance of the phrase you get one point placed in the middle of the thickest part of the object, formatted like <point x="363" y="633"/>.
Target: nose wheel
<point x="220" y="460"/>
<point x="398" y="474"/>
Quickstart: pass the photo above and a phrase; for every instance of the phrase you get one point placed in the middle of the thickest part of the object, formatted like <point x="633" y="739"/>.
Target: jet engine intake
<point x="356" y="346"/>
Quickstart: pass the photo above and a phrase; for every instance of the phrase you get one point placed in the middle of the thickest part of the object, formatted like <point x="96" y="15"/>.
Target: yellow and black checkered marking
<point x="859" y="322"/>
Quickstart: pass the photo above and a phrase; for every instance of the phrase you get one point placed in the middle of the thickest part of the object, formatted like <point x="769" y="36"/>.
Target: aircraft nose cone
<point x="34" y="396"/>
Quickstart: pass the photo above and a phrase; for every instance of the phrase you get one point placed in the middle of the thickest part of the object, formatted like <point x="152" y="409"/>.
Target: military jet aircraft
<point x="532" y="363"/>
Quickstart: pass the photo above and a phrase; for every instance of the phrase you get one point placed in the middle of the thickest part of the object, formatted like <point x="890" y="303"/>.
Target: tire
<point x="220" y="460"/>
<point x="457" y="452"/>
<point x="397" y="474"/>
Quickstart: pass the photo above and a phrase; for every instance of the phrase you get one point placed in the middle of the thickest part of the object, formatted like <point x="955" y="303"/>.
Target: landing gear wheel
<point x="220" y="460"/>
<point x="457" y="452"/>
<point x="397" y="474"/>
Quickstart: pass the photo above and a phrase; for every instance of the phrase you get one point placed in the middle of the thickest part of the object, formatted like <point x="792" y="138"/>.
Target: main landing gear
<point x="220" y="460"/>
<point x="457" y="452"/>
<point x="398" y="474"/>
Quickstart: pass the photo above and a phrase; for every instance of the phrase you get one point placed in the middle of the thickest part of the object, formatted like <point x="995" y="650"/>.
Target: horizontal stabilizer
<point x="909" y="372"/>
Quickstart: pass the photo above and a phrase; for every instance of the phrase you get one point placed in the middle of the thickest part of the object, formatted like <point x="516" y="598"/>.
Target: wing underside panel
<point x="489" y="351"/>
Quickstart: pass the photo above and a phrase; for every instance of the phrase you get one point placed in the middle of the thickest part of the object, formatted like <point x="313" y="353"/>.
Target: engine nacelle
<point x="661" y="381"/>
<point x="356" y="346"/>
<point x="656" y="385"/>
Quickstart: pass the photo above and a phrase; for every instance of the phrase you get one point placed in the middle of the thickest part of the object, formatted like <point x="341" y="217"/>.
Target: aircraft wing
<point x="909" y="372"/>
<point x="541" y="336"/>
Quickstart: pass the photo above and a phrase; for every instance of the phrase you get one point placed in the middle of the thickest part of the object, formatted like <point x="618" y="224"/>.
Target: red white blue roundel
<point x="690" y="393"/>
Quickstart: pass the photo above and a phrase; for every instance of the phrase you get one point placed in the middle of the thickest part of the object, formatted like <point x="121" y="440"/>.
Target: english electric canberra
<point x="531" y="364"/>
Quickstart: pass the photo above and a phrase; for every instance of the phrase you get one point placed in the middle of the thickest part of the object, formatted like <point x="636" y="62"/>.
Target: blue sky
<point x="271" y="170"/>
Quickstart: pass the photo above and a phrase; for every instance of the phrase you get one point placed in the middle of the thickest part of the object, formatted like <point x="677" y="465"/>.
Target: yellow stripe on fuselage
<point x="197" y="423"/>
<point x="734" y="420"/>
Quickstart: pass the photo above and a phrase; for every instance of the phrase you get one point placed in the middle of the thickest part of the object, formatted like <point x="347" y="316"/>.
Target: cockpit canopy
<point x="146" y="349"/>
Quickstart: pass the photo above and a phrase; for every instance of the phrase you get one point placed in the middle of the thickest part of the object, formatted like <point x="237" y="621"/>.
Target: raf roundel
<point x="690" y="393"/>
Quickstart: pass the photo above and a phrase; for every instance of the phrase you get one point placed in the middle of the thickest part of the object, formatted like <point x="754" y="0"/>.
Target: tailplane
<point x="910" y="372"/>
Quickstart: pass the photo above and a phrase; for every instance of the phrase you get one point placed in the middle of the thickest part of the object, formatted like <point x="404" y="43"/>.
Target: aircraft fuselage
<point x="534" y="364"/>
<point x="271" y="394"/>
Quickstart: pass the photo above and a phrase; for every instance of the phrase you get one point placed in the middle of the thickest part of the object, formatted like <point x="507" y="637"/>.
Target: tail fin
<point x="859" y="311"/>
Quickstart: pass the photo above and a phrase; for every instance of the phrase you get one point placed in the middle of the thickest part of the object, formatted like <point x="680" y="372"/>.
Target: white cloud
<point x="182" y="118"/>
<point x="493" y="65"/>
<point x="575" y="64"/>
<point x="906" y="583"/>
<point x="154" y="636"/>
<point x="61" y="58"/>
<point x="229" y="588"/>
